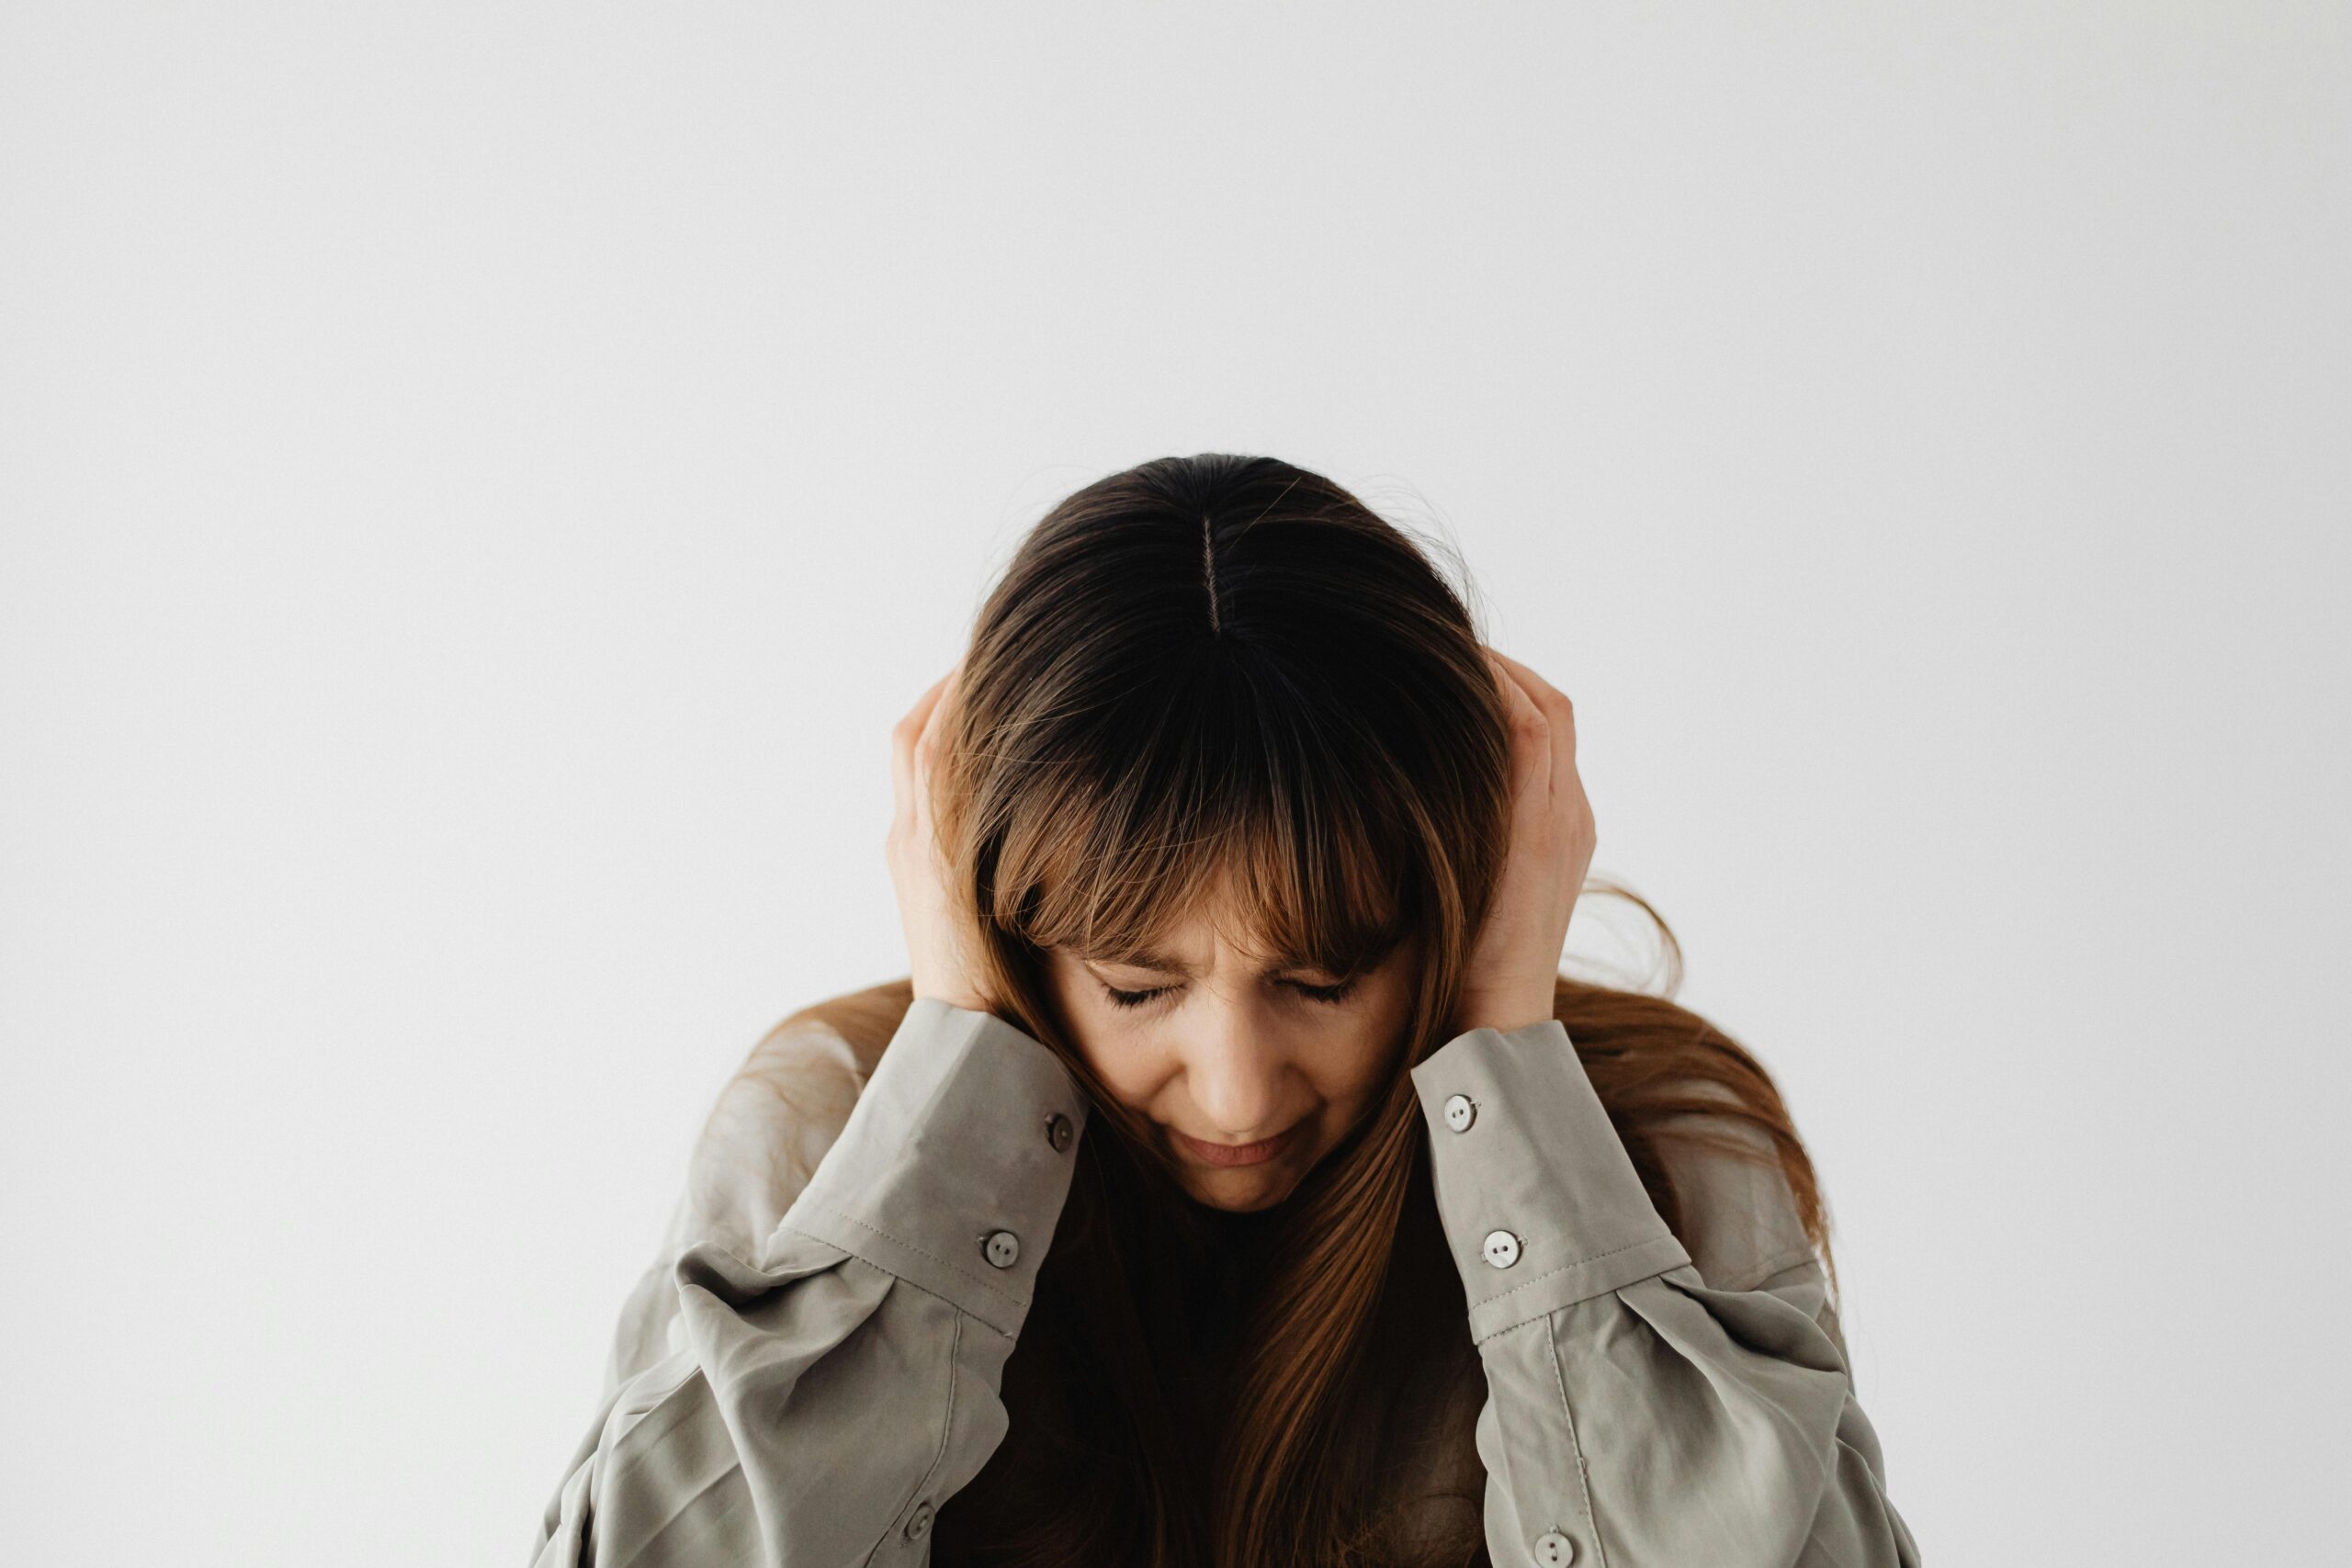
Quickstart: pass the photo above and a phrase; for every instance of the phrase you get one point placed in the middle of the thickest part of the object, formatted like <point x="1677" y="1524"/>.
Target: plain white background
<point x="480" y="480"/>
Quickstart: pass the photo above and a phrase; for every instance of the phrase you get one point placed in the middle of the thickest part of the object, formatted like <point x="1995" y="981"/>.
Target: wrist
<point x="1502" y="1015"/>
<point x="965" y="1000"/>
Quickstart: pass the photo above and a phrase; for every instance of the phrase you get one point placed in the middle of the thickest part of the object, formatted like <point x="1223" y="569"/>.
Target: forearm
<point x="830" y="1392"/>
<point x="1634" y="1416"/>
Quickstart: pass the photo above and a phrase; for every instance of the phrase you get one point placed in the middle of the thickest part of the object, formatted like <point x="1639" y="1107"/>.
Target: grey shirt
<point x="812" y="1366"/>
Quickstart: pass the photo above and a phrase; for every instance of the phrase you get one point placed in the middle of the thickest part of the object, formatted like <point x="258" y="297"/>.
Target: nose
<point x="1234" y="1069"/>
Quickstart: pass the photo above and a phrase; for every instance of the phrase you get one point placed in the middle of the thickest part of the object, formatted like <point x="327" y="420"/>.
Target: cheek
<point x="1344" y="1068"/>
<point x="1133" y="1081"/>
<point x="1120" y="1057"/>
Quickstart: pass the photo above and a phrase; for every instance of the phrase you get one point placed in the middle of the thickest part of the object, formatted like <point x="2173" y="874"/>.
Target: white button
<point x="1502" y="1248"/>
<point x="1058" y="1130"/>
<point x="1001" y="1247"/>
<point x="1554" y="1550"/>
<point x="1459" y="1112"/>
<point x="919" y="1526"/>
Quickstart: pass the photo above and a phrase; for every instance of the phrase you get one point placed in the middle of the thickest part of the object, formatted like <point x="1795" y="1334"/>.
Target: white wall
<point x="478" y="482"/>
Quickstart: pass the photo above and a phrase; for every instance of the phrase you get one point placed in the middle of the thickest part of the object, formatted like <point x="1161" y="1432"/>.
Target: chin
<point x="1239" y="1197"/>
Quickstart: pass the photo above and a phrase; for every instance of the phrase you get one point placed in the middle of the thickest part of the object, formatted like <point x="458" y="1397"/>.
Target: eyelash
<point x="1331" y="996"/>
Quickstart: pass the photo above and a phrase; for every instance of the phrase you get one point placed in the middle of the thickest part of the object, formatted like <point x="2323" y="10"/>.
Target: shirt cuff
<point x="1541" y="1203"/>
<point x="953" y="1167"/>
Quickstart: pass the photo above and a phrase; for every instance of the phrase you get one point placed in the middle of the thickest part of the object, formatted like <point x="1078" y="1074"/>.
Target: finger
<point x="933" y="734"/>
<point x="951" y="698"/>
<point x="1515" y="698"/>
<point x="1572" y="810"/>
<point x="1559" y="714"/>
<point x="1554" y="702"/>
<point x="941" y="705"/>
<point x="1530" y="749"/>
<point x="904" y="736"/>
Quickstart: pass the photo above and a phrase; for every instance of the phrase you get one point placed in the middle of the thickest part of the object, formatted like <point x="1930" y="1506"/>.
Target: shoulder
<point x="777" y="1114"/>
<point x="1741" y="1222"/>
<point x="1702" y="1114"/>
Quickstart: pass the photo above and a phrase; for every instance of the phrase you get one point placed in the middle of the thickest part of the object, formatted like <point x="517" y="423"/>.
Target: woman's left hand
<point x="1515" y="959"/>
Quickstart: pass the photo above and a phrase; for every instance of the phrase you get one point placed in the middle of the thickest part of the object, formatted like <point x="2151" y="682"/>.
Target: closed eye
<point x="1331" y="996"/>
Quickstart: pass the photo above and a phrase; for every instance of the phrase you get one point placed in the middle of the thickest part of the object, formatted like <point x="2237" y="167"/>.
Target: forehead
<point x="1216" y="913"/>
<point x="1190" y="942"/>
<point x="1197" y="943"/>
<point x="1164" y="959"/>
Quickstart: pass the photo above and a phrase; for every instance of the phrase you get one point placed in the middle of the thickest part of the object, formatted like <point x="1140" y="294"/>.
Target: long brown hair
<point x="1228" y="667"/>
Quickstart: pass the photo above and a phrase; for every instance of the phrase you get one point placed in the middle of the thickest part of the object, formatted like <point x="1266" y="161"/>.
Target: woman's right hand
<point x="939" y="937"/>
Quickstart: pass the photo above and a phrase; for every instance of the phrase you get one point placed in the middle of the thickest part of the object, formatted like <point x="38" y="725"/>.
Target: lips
<point x="1233" y="1154"/>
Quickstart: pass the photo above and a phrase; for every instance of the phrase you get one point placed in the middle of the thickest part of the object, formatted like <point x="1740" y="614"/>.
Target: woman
<point x="1235" y="1179"/>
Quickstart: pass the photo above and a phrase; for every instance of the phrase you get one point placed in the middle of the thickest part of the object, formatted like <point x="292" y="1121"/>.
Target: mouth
<point x="1228" y="1155"/>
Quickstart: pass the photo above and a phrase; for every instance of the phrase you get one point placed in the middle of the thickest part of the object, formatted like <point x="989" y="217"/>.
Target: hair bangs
<point x="1288" y="858"/>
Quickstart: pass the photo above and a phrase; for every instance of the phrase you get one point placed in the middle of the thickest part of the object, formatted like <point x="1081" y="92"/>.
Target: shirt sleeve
<point x="1635" y="1417"/>
<point x="828" y="1392"/>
